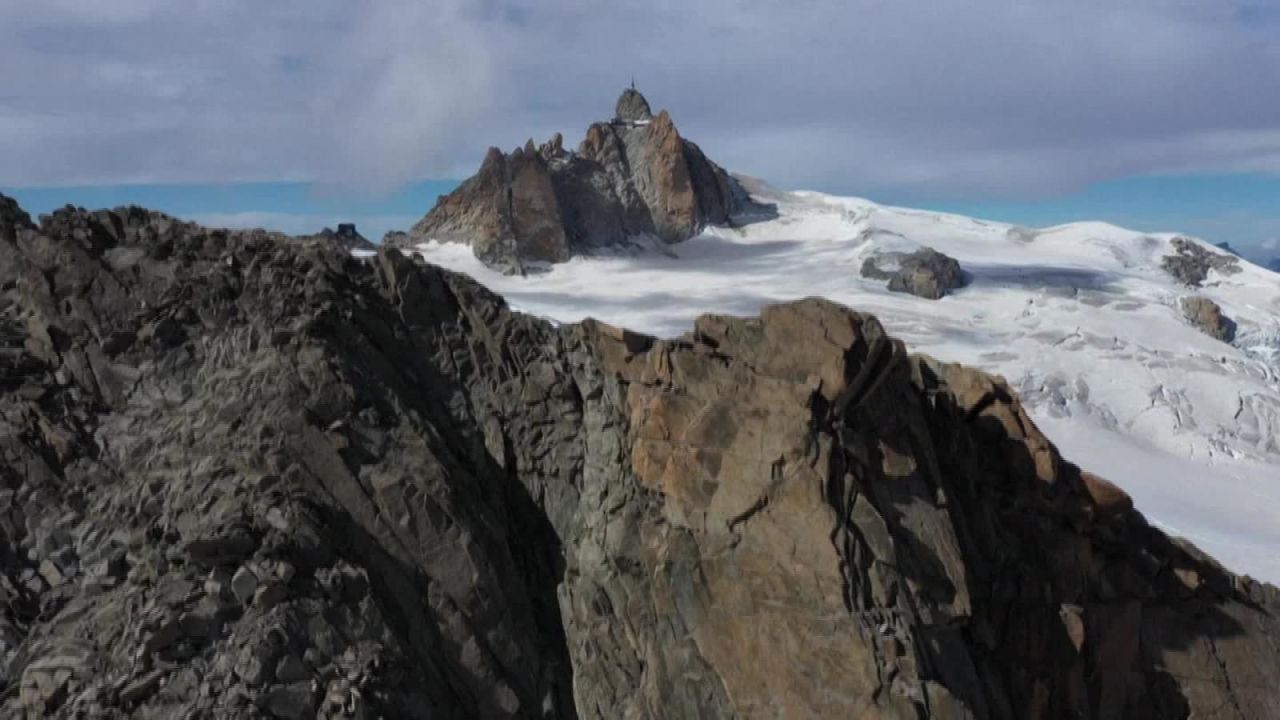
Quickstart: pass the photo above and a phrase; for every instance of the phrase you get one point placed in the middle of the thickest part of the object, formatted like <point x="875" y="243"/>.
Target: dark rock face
<point x="507" y="212"/>
<point x="346" y="236"/>
<point x="1207" y="316"/>
<point x="632" y="106"/>
<point x="12" y="216"/>
<point x="633" y="176"/>
<point x="924" y="273"/>
<point x="1191" y="263"/>
<point x="245" y="476"/>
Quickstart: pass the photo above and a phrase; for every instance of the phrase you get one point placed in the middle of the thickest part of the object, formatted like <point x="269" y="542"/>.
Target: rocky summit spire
<point x="632" y="177"/>
<point x="632" y="106"/>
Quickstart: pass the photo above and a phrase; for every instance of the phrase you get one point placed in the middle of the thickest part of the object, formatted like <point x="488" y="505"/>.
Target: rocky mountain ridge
<point x="245" y="475"/>
<point x="631" y="177"/>
<point x="346" y="236"/>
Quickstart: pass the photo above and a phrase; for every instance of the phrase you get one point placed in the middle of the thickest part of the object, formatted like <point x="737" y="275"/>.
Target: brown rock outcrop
<point x="889" y="536"/>
<point x="1207" y="316"/>
<point x="247" y="476"/>
<point x="507" y="212"/>
<point x="632" y="106"/>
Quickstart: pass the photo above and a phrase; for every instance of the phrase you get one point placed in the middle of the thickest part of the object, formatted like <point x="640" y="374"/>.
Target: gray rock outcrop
<point x="1205" y="315"/>
<point x="346" y="236"/>
<point x="1190" y="262"/>
<point x="924" y="273"/>
<point x="12" y="215"/>
<point x="632" y="107"/>
<point x="632" y="176"/>
<point x="249" y="477"/>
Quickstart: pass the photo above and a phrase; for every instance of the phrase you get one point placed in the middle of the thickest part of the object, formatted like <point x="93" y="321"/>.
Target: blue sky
<point x="1157" y="114"/>
<point x="1242" y="209"/>
<point x="293" y="207"/>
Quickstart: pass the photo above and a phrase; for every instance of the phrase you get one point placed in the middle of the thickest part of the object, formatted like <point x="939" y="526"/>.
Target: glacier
<point x="1080" y="318"/>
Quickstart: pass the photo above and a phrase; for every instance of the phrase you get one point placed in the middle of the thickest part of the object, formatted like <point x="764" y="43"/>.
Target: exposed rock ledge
<point x="1207" y="316"/>
<point x="244" y="476"/>
<point x="924" y="273"/>
<point x="346" y="236"/>
<point x="1190" y="263"/>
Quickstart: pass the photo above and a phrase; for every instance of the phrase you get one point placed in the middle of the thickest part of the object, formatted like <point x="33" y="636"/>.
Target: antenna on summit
<point x="633" y="82"/>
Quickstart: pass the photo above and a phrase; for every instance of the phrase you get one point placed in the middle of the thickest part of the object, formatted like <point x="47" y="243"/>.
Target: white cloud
<point x="366" y="93"/>
<point x="951" y="96"/>
<point x="410" y="79"/>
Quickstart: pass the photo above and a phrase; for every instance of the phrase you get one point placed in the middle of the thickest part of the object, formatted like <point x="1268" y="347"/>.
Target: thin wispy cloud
<point x="947" y="97"/>
<point x="369" y="94"/>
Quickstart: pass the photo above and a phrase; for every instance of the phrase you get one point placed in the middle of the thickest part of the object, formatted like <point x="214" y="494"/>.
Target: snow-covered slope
<point x="1080" y="318"/>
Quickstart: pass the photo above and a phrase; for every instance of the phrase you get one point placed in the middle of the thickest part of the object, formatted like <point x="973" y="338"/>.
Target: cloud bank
<point x="941" y="98"/>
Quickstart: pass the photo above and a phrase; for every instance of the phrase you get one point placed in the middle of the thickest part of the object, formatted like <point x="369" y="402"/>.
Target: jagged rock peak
<point x="631" y="177"/>
<point x="632" y="106"/>
<point x="12" y="215"/>
<point x="552" y="148"/>
<point x="345" y="236"/>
